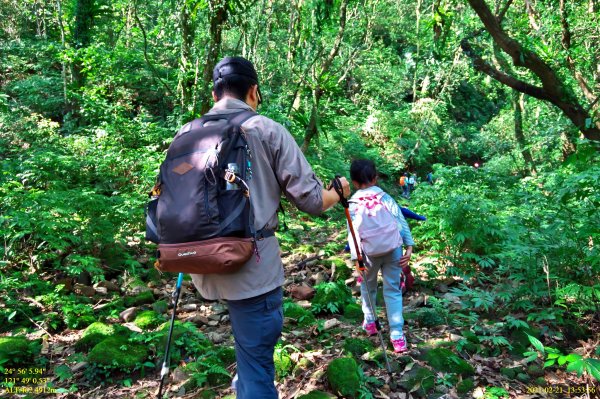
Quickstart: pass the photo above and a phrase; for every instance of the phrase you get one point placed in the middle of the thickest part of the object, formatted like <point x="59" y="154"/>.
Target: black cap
<point x="236" y="67"/>
<point x="231" y="66"/>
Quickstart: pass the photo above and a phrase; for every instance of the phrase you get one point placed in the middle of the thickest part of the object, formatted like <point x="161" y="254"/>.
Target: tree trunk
<point x="185" y="85"/>
<point x="418" y="54"/>
<point x="64" y="46"/>
<point x="218" y="17"/>
<point x="553" y="89"/>
<point x="82" y="36"/>
<point x="312" y="130"/>
<point x="519" y="109"/>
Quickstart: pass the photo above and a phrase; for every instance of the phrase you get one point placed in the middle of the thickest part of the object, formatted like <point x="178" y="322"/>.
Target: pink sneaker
<point x="370" y="328"/>
<point x="399" y="345"/>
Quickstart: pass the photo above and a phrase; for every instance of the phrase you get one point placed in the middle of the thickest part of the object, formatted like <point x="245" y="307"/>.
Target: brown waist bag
<point x="218" y="255"/>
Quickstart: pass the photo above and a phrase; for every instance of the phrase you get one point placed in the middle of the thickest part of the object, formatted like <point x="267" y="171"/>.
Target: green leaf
<point x="549" y="363"/>
<point x="553" y="355"/>
<point x="573" y="357"/>
<point x="562" y="360"/>
<point x="588" y="123"/>
<point x="536" y="343"/>
<point x="593" y="368"/>
<point x="577" y="366"/>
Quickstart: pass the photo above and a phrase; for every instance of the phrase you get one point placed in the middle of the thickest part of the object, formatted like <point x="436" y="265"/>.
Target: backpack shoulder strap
<point x="239" y="118"/>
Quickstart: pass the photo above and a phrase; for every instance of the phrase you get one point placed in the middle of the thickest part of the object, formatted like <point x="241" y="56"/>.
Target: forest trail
<point x="444" y="360"/>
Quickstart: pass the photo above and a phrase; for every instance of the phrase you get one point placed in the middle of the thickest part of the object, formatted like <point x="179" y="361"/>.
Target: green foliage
<point x="300" y="315"/>
<point x="283" y="361"/>
<point x="331" y="297"/>
<point x="574" y="362"/>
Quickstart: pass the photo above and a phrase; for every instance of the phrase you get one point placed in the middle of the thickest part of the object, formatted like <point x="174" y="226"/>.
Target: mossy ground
<point x="444" y="360"/>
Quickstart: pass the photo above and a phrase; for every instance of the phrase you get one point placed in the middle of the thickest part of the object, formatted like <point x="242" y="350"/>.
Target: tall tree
<point x="85" y="12"/>
<point x="553" y="86"/>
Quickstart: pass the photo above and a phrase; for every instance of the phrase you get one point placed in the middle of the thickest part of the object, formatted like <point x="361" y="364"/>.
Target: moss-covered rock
<point x="535" y="371"/>
<point x="118" y="352"/>
<point x="357" y="347"/>
<point x="509" y="373"/>
<point x="541" y="381"/>
<point x="160" y="306"/>
<point x="97" y="332"/>
<point x="342" y="271"/>
<point x="344" y="377"/>
<point x="296" y="312"/>
<point x="143" y="298"/>
<point x="465" y="386"/>
<point x="430" y="318"/>
<point x="331" y="297"/>
<point x="317" y="395"/>
<point x="148" y="319"/>
<point x="353" y="311"/>
<point x="444" y="360"/>
<point x="16" y="351"/>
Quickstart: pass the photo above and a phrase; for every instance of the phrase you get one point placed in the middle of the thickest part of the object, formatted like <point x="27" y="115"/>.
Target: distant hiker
<point x="404" y="184"/>
<point x="411" y="184"/>
<point x="382" y="231"/>
<point x="430" y="178"/>
<point x="276" y="164"/>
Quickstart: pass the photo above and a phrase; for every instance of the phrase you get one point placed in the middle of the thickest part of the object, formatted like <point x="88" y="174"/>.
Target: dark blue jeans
<point x="256" y="324"/>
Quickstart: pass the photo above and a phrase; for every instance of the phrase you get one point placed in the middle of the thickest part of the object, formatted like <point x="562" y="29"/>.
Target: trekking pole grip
<point x="337" y="186"/>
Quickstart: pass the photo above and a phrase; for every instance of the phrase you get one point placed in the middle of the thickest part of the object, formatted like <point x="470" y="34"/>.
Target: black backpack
<point x="200" y="213"/>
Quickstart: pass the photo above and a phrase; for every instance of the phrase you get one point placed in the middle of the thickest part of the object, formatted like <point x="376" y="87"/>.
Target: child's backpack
<point x="200" y="213"/>
<point x="402" y="181"/>
<point x="375" y="225"/>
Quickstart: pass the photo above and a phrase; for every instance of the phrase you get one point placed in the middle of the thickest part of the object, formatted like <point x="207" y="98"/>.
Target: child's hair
<point x="363" y="171"/>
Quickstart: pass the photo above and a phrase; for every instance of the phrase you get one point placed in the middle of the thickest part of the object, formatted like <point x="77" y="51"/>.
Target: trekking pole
<point x="164" y="371"/>
<point x="337" y="185"/>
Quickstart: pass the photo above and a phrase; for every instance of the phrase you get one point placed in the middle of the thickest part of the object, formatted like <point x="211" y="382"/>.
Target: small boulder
<point x="128" y="314"/>
<point x="344" y="377"/>
<point x="148" y="319"/>
<point x="302" y="292"/>
<point x="118" y="352"/>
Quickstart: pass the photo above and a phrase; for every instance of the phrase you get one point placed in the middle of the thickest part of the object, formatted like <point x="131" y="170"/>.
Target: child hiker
<point x="381" y="230"/>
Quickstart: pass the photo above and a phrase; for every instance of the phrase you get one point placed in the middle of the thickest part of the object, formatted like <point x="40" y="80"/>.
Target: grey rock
<point x="109" y="285"/>
<point x="101" y="291"/>
<point x="128" y="314"/>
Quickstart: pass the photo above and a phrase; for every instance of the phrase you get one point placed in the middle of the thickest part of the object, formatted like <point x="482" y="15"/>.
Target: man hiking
<point x="254" y="294"/>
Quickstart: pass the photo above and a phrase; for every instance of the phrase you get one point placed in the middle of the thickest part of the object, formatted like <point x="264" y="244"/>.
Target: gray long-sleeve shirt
<point x="275" y="156"/>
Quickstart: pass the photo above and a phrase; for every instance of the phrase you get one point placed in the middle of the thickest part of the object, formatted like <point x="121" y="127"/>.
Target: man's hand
<point x="331" y="197"/>
<point x="406" y="257"/>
